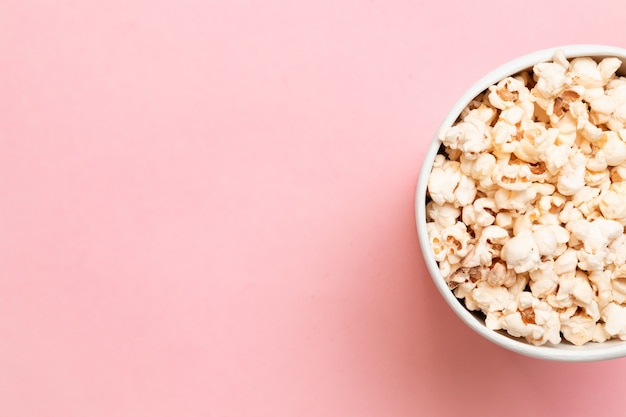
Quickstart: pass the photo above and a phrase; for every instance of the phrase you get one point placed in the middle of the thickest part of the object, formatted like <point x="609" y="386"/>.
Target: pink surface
<point x="206" y="209"/>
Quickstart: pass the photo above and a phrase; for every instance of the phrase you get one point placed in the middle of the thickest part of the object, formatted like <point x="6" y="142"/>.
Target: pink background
<point x="206" y="209"/>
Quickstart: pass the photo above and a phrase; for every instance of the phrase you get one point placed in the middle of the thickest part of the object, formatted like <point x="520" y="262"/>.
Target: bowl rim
<point x="563" y="352"/>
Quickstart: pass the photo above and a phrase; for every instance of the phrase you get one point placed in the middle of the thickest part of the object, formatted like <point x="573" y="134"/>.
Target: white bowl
<point x="564" y="351"/>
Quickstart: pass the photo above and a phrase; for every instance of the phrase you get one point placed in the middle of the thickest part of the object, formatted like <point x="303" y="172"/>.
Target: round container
<point x="564" y="351"/>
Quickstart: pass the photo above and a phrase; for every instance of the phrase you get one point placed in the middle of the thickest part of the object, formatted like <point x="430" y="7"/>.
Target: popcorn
<point x="465" y="191"/>
<point x="535" y="141"/>
<point x="584" y="71"/>
<point x="616" y="89"/>
<point x="488" y="297"/>
<point x="503" y="134"/>
<point x="608" y="67"/>
<point x="618" y="284"/>
<point x="602" y="104"/>
<point x="444" y="179"/>
<point x="546" y="240"/>
<point x="480" y="212"/>
<point x="533" y="320"/>
<point x="504" y="95"/>
<point x="521" y="252"/>
<point x="552" y="78"/>
<point x="449" y="243"/>
<point x="527" y="208"/>
<point x="556" y="156"/>
<point x="544" y="280"/>
<point x="572" y="175"/>
<point x="596" y="236"/>
<point x="513" y="200"/>
<point x="578" y="329"/>
<point x="481" y="169"/>
<point x="488" y="246"/>
<point x="455" y="240"/>
<point x="613" y="202"/>
<point x="444" y="215"/>
<point x="601" y="283"/>
<point x="614" y="149"/>
<point x="614" y="316"/>
<point x="469" y="138"/>
<point x="567" y="262"/>
<point x="512" y="177"/>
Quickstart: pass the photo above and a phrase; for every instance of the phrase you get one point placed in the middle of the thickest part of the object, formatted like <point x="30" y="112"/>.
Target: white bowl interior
<point x="564" y="351"/>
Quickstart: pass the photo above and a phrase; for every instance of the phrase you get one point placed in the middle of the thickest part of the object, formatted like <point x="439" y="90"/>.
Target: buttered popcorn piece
<point x="527" y="209"/>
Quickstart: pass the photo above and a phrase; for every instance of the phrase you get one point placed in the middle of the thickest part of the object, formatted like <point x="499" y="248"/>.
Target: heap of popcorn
<point x="526" y="203"/>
